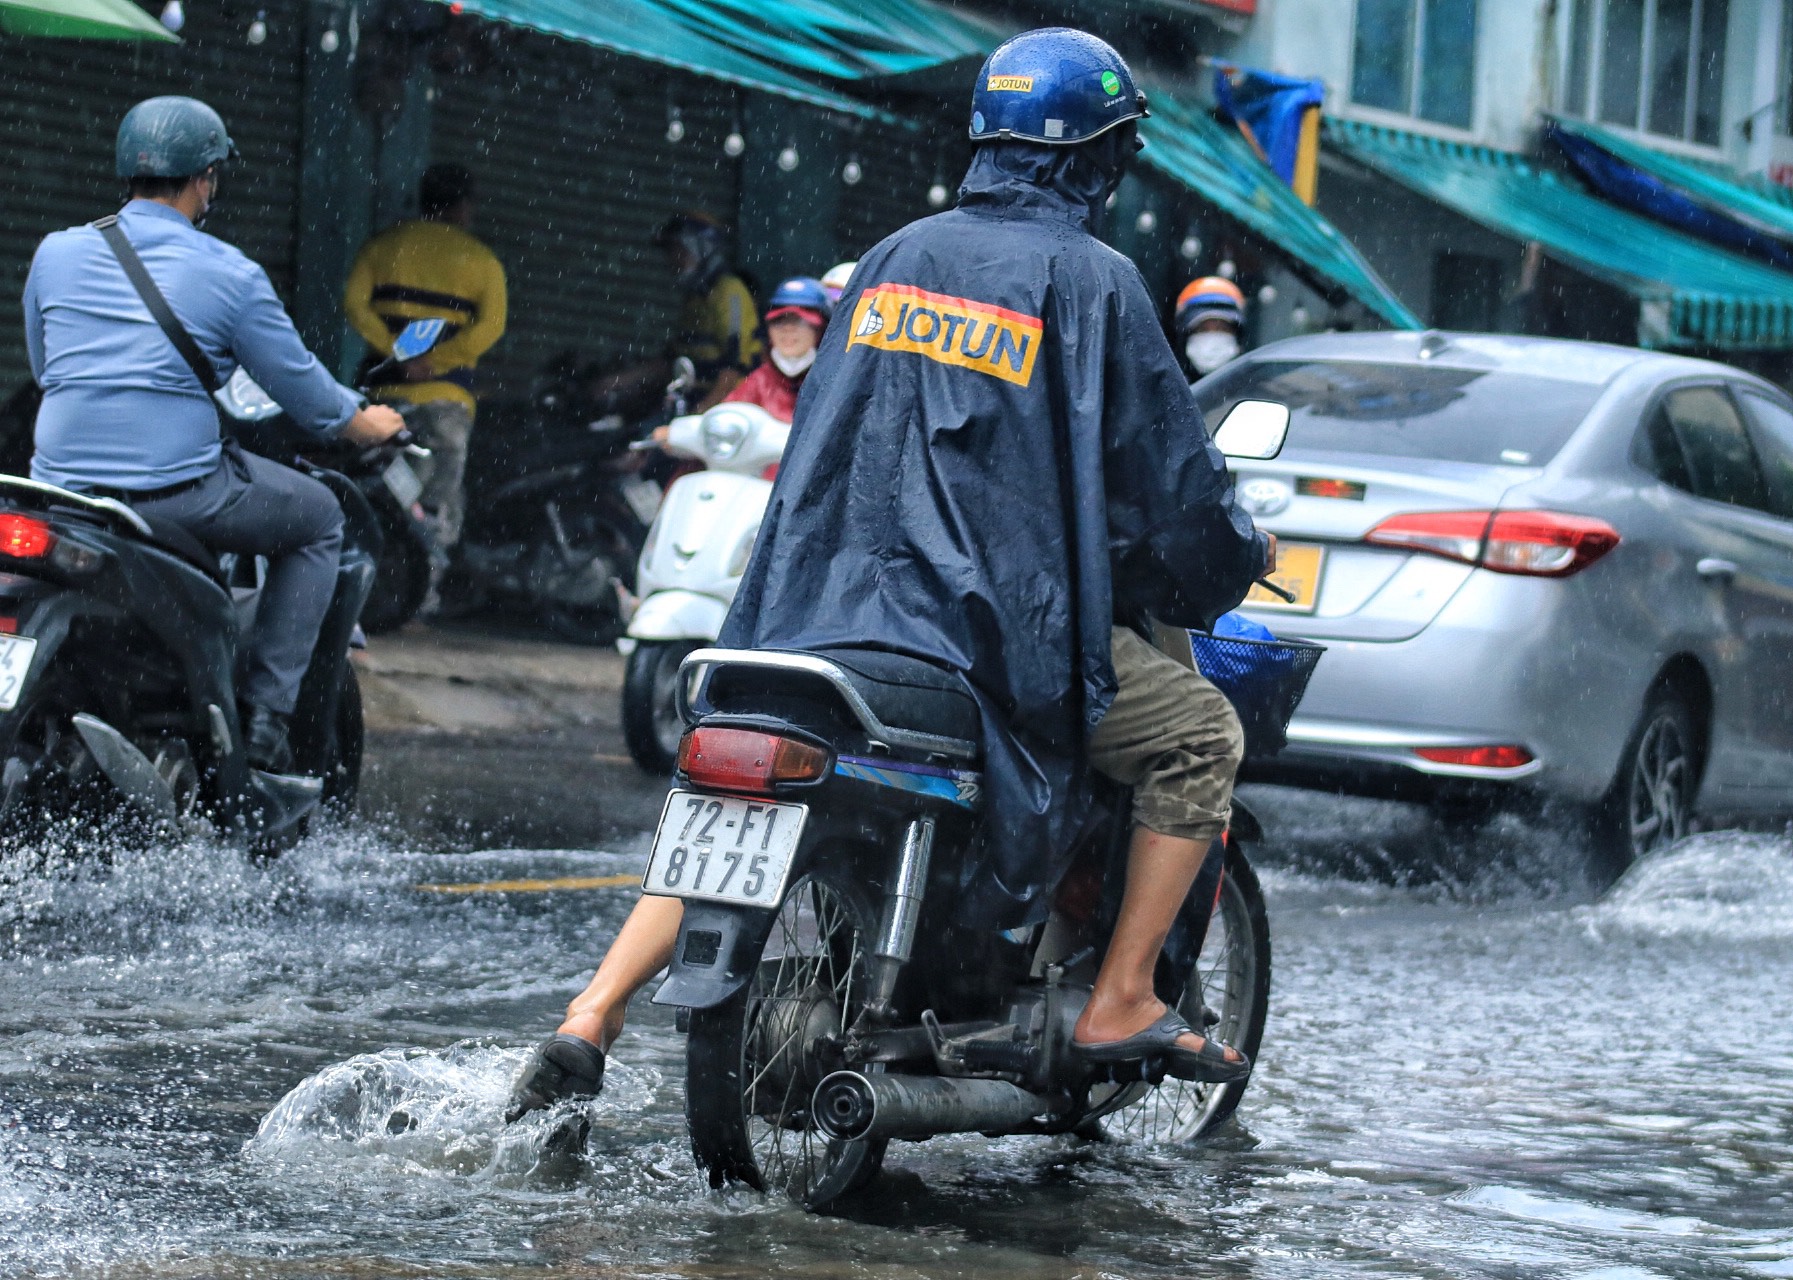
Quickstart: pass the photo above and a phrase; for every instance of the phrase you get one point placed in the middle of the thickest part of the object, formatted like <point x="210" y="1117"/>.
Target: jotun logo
<point x="1009" y="84"/>
<point x="956" y="331"/>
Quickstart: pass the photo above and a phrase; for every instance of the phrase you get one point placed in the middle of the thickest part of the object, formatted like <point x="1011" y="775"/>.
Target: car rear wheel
<point x="1650" y="805"/>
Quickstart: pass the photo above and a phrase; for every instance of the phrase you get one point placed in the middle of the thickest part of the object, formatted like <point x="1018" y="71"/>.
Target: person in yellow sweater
<point x="423" y="268"/>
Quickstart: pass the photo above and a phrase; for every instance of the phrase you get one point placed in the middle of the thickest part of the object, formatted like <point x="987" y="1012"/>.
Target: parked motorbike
<point x="118" y="661"/>
<point x="822" y="809"/>
<point x="697" y="549"/>
<point x="557" y="514"/>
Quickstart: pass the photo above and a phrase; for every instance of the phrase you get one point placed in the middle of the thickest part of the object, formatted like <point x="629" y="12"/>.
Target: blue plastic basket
<point x="1263" y="679"/>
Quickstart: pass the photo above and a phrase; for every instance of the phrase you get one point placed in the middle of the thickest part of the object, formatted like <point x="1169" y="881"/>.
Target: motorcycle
<point x="118" y="664"/>
<point x="557" y="517"/>
<point x="823" y="804"/>
<point x="697" y="549"/>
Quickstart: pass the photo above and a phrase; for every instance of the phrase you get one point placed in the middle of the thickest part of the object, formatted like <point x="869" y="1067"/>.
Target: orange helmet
<point x="1211" y="297"/>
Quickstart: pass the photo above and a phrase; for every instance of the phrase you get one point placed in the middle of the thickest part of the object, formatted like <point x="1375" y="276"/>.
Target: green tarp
<point x="1188" y="146"/>
<point x="1692" y="294"/>
<point x="646" y="29"/>
<point x="81" y="20"/>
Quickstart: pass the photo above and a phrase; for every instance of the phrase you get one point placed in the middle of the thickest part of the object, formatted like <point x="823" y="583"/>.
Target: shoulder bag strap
<point x="158" y="306"/>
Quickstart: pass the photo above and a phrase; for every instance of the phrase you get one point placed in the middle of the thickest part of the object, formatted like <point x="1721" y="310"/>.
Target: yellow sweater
<point x="420" y="270"/>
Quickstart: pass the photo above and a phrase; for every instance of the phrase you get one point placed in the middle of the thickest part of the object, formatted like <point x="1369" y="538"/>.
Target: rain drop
<point x="1267" y="294"/>
<point x="1227" y="269"/>
<point x="675" y="128"/>
<point x="174" y="17"/>
<point x="937" y="195"/>
<point x="734" y="144"/>
<point x="851" y="173"/>
<point x="1191" y="248"/>
<point x="1148" y="221"/>
<point x="258" y="30"/>
<point x="1298" y="317"/>
<point x="788" y="158"/>
<point x="329" y="42"/>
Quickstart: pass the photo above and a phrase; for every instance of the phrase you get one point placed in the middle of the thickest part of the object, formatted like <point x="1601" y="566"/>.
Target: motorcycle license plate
<point x="724" y="849"/>
<point x="15" y="663"/>
<point x="403" y="482"/>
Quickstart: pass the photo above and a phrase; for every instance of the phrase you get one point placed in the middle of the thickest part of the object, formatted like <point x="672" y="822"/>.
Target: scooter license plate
<point x="402" y="481"/>
<point x="724" y="849"/>
<point x="15" y="665"/>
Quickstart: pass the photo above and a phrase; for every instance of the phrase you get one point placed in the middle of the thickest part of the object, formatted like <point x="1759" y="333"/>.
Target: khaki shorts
<point x="1173" y="738"/>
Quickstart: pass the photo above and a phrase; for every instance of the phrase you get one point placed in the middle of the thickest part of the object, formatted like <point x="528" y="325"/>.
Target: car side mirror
<point x="1253" y="429"/>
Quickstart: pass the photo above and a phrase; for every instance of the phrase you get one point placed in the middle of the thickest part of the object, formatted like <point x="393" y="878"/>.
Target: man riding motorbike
<point x="1000" y="468"/>
<point x="125" y="414"/>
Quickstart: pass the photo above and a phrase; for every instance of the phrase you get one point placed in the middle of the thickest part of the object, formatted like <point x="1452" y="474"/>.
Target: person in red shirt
<point x="796" y="314"/>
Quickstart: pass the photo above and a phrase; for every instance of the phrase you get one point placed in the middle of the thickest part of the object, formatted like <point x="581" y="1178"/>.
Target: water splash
<point x="1727" y="885"/>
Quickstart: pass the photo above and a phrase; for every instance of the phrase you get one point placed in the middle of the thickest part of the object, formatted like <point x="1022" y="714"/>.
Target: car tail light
<point x="746" y="760"/>
<point x="23" y="537"/>
<point x="1481" y="757"/>
<point x="1541" y="544"/>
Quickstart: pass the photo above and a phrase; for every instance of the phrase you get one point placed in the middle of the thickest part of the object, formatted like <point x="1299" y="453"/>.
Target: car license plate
<point x="1298" y="568"/>
<point x="403" y="482"/>
<point x="15" y="664"/>
<point x="724" y="849"/>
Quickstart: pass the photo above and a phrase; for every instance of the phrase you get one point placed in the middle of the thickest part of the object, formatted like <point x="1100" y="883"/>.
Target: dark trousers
<point x="252" y="506"/>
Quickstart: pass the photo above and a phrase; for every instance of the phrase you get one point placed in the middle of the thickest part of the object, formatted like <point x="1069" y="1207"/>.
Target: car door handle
<point x="1715" y="569"/>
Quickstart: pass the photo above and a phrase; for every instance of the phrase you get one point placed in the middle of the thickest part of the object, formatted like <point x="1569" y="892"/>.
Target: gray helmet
<point x="171" y="138"/>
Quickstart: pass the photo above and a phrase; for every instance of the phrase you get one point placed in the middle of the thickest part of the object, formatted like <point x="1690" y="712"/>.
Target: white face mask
<point x="791" y="366"/>
<point x="1208" y="351"/>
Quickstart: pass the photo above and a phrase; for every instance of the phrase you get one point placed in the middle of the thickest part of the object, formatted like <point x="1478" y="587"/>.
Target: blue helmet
<point x="171" y="137"/>
<point x="799" y="293"/>
<point x="1055" y="85"/>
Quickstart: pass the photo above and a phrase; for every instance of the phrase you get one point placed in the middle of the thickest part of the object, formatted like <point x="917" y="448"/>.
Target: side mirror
<point x="1253" y="429"/>
<point x="417" y="338"/>
<point x="244" y="400"/>
<point x="684" y="376"/>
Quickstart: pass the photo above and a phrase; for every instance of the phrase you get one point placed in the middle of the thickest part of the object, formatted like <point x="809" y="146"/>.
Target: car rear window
<point x="1407" y="410"/>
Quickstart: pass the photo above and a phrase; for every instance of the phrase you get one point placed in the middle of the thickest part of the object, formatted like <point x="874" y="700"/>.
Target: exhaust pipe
<point x="851" y="1107"/>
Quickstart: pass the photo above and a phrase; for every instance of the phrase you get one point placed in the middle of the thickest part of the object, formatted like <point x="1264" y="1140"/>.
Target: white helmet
<point x="835" y="281"/>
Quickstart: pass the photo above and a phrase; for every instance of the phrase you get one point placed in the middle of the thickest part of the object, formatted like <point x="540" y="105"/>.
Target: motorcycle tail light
<point x="746" y="760"/>
<point x="24" y="537"/>
<point x="1538" y="544"/>
<point x="771" y="471"/>
<point x="1505" y="757"/>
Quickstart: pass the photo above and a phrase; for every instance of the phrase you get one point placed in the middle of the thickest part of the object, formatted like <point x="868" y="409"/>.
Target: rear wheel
<point x="755" y="1060"/>
<point x="1650" y="805"/>
<point x="1232" y="979"/>
<point x="401" y="583"/>
<point x="651" y="724"/>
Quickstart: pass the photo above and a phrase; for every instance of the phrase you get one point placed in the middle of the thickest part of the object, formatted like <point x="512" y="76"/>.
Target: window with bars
<point x="1416" y="57"/>
<point x="1652" y="65"/>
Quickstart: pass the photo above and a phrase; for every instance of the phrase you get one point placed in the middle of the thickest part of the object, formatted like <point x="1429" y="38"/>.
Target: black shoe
<point x="264" y="740"/>
<point x="563" y="1067"/>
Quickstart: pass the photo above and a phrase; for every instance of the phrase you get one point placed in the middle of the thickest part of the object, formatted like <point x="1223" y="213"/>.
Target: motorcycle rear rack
<point x="39" y="495"/>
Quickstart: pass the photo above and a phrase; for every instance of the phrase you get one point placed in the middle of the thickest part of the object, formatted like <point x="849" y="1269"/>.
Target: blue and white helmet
<point x="1056" y="85"/>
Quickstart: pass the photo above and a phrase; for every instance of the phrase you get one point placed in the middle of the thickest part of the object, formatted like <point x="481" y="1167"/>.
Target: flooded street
<point x="209" y="1068"/>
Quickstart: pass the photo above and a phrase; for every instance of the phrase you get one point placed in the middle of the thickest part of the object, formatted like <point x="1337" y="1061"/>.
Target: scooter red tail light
<point x="746" y="760"/>
<point x="23" y="537"/>
<point x="1506" y="757"/>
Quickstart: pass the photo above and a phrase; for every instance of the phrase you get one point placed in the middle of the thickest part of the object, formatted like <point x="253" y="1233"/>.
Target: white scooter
<point x="692" y="564"/>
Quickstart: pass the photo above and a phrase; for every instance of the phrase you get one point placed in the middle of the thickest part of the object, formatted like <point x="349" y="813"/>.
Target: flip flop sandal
<point x="1158" y="1043"/>
<point x="563" y="1067"/>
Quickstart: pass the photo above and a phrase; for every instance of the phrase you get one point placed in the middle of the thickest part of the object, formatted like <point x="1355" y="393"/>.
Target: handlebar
<point x="1288" y="596"/>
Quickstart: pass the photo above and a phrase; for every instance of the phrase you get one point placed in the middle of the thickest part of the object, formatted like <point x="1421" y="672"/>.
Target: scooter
<point x="118" y="665"/>
<point x="691" y="568"/>
<point x="816" y="831"/>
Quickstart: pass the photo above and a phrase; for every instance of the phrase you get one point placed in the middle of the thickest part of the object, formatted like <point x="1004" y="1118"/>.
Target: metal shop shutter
<point x="569" y="147"/>
<point x="62" y="101"/>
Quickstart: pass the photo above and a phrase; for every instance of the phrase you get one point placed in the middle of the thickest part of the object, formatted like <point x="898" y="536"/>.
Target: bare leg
<point x="1160" y="869"/>
<point x="642" y="949"/>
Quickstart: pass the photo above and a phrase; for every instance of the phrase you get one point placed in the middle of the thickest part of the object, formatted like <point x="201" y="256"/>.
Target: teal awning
<point x="844" y="39"/>
<point x="1761" y="205"/>
<point x="654" y="31"/>
<point x="1186" y="145"/>
<point x="1693" y="294"/>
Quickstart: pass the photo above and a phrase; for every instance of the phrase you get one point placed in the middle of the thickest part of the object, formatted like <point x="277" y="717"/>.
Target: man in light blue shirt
<point x="125" y="416"/>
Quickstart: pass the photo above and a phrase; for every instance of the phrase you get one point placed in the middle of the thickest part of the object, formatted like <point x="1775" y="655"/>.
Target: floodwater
<point x="210" y="1068"/>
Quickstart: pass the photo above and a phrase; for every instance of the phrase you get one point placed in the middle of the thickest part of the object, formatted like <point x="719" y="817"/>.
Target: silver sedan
<point x="1541" y="567"/>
